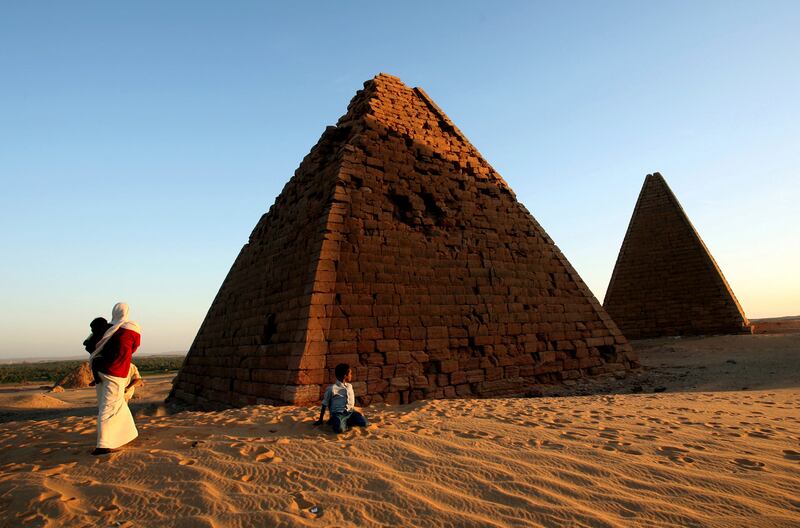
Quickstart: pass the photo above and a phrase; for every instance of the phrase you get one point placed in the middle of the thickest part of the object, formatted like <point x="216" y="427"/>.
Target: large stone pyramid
<point x="397" y="249"/>
<point x="665" y="282"/>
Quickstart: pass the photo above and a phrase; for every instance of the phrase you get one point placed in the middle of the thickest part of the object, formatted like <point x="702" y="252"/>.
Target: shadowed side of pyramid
<point x="665" y="281"/>
<point x="251" y="343"/>
<point x="400" y="251"/>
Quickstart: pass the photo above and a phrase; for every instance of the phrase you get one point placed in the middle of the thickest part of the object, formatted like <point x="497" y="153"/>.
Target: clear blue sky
<point x="140" y="142"/>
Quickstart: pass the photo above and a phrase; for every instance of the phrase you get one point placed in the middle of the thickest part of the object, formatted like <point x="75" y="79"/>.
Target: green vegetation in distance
<point x="52" y="371"/>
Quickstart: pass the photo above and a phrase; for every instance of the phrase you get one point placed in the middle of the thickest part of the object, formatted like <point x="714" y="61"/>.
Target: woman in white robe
<point x="112" y="360"/>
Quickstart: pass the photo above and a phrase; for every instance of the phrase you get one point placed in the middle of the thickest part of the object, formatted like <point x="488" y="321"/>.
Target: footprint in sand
<point x="695" y="447"/>
<point x="546" y="444"/>
<point x="302" y="506"/>
<point x="553" y="425"/>
<point x="608" y="432"/>
<point x="473" y="434"/>
<point x="267" y="456"/>
<point x="622" y="447"/>
<point x="573" y="435"/>
<point x="791" y="455"/>
<point x="746" y="463"/>
<point x="675" y="454"/>
<point x="57" y="469"/>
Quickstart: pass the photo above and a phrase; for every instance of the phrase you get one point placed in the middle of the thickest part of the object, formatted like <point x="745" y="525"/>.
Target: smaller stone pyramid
<point x="665" y="281"/>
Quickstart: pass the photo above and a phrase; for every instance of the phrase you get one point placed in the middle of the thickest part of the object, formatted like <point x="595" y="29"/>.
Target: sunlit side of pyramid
<point x="665" y="281"/>
<point x="397" y="249"/>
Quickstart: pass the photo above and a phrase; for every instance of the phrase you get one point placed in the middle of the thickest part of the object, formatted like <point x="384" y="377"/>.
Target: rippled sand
<point x="689" y="459"/>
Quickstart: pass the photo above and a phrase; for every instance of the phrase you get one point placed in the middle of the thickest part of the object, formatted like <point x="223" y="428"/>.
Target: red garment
<point x="115" y="358"/>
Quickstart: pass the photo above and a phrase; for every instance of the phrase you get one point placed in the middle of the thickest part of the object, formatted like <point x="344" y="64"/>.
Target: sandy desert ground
<point x="699" y="452"/>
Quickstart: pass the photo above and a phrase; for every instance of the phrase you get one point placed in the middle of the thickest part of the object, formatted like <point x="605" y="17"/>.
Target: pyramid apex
<point x="384" y="75"/>
<point x="386" y="80"/>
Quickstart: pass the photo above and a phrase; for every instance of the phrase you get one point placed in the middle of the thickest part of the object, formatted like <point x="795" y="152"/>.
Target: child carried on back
<point x="98" y="327"/>
<point x="340" y="399"/>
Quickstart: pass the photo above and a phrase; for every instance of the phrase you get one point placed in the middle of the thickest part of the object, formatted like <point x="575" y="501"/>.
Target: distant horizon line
<point x="75" y="357"/>
<point x="47" y="359"/>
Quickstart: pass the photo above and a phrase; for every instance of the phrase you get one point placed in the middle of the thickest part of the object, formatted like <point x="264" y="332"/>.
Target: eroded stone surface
<point x="397" y="248"/>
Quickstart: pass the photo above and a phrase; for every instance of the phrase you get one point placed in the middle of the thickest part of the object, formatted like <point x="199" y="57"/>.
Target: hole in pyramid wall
<point x="403" y="210"/>
<point x="270" y="327"/>
<point x="607" y="353"/>
<point x="418" y="211"/>
<point x="432" y="211"/>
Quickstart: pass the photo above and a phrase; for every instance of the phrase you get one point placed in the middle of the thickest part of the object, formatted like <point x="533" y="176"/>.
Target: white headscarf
<point x="119" y="319"/>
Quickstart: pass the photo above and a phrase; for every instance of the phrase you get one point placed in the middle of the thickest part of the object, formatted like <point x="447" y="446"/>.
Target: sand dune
<point x="703" y="453"/>
<point x="694" y="459"/>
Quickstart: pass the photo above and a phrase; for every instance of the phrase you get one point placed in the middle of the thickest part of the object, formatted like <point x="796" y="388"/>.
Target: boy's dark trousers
<point x="340" y="421"/>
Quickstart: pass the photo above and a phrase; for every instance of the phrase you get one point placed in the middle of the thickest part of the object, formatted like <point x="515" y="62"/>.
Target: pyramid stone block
<point x="397" y="249"/>
<point x="665" y="281"/>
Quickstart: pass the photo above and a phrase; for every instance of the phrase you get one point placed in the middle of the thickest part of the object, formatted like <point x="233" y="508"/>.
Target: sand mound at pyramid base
<point x="80" y="378"/>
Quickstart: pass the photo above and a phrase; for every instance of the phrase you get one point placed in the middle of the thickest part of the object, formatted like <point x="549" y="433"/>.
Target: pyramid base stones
<point x="400" y="379"/>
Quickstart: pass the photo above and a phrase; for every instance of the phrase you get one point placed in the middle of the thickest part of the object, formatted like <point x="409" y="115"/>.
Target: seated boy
<point x="339" y="398"/>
